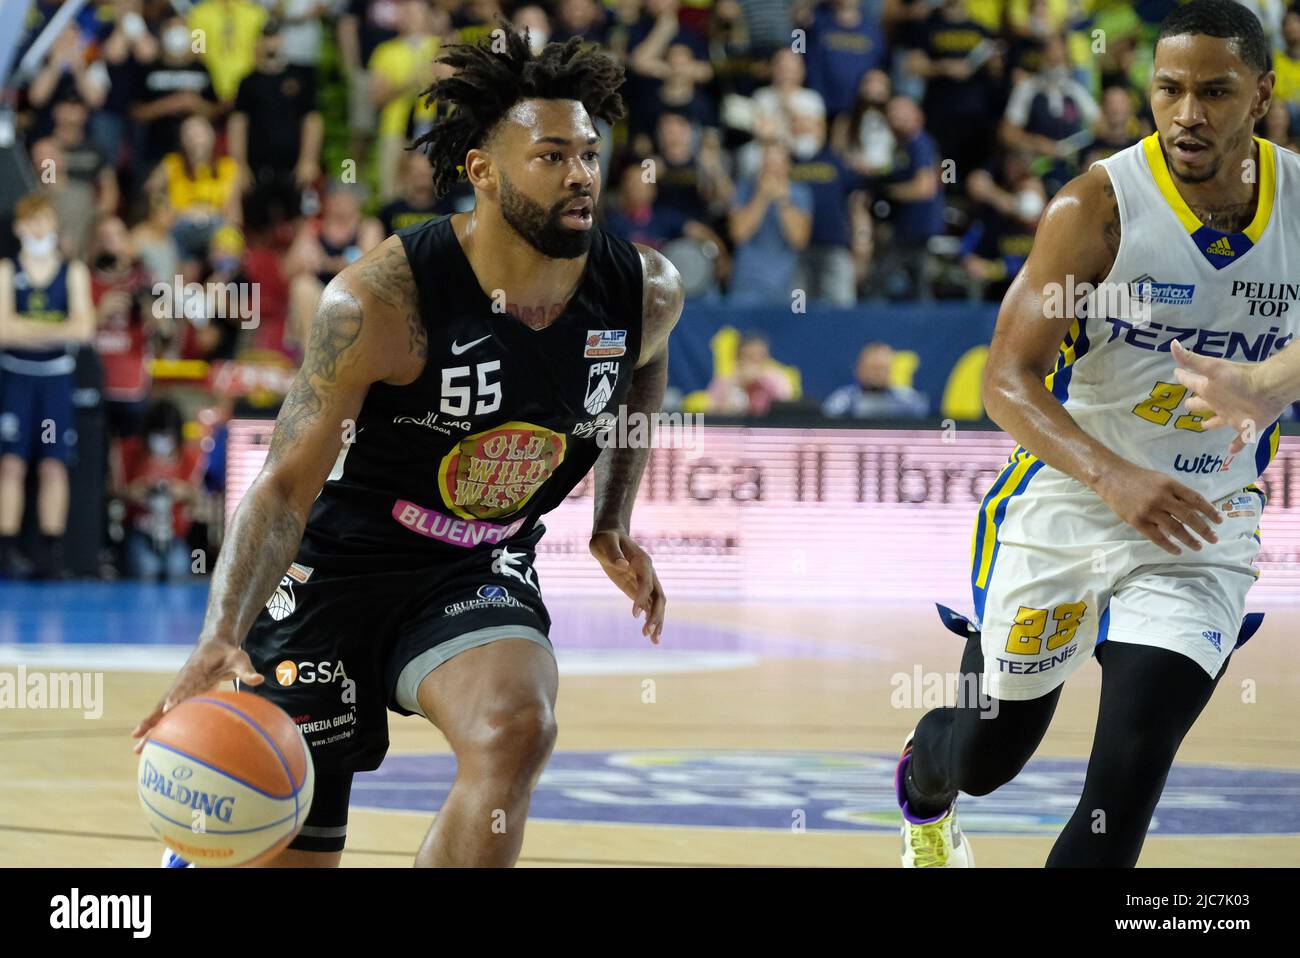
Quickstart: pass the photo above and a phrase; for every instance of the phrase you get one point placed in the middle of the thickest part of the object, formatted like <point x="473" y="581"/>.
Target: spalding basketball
<point x="225" y="779"/>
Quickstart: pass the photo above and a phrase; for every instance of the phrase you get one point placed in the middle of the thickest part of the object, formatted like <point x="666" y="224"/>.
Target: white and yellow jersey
<point x="1231" y="295"/>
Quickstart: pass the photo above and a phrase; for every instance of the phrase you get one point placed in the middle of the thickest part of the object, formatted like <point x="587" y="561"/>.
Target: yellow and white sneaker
<point x="930" y="842"/>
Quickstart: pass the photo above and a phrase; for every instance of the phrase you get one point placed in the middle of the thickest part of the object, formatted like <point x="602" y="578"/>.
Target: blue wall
<point x="824" y="342"/>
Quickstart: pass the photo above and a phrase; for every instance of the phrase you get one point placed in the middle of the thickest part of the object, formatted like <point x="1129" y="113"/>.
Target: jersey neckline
<point x="514" y="322"/>
<point x="1220" y="249"/>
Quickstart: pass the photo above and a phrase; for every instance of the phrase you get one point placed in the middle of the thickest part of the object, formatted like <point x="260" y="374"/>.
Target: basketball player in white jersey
<point x="1120" y="525"/>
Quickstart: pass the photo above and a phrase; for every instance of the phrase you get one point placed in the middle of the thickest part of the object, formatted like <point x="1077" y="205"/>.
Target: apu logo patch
<point x="603" y="343"/>
<point x="283" y="602"/>
<point x="601" y="379"/>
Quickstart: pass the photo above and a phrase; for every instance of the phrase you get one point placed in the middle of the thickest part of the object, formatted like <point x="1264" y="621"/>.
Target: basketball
<point x="225" y="779"/>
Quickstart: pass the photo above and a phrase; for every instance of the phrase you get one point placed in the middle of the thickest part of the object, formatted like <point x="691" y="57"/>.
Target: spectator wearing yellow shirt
<point x="399" y="69"/>
<point x="1286" y="64"/>
<point x="229" y="33"/>
<point x="203" y="189"/>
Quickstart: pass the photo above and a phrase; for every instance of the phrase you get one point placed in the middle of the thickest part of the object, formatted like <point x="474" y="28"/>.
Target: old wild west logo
<point x="494" y="473"/>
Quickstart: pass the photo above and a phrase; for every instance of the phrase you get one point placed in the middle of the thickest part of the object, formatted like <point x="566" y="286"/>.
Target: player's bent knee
<point x="513" y="740"/>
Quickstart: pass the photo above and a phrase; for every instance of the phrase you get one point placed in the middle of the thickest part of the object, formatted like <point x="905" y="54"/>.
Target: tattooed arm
<point x="1076" y="242"/>
<point x="366" y="330"/>
<point x="618" y="470"/>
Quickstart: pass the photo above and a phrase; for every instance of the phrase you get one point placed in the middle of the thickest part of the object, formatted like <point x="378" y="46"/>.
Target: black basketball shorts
<point x="339" y="647"/>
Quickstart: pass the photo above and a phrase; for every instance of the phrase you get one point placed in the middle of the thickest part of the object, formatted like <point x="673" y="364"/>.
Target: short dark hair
<point x="486" y="84"/>
<point x="1226" y="19"/>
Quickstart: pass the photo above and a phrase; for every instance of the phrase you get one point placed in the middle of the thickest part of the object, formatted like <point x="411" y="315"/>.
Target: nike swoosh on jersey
<point x="457" y="349"/>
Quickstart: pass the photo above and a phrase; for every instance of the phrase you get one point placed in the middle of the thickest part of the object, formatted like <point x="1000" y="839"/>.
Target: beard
<point x="540" y="227"/>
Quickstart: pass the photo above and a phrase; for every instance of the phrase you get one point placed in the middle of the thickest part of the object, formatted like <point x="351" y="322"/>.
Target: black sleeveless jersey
<point x="499" y="427"/>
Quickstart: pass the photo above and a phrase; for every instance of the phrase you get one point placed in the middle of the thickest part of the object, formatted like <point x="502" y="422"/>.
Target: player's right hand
<point x="212" y="662"/>
<point x="1227" y="393"/>
<point x="1160" y="507"/>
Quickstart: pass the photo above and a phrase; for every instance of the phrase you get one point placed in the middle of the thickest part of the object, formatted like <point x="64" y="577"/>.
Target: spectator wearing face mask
<point x="873" y="394"/>
<point x="1011" y="201"/>
<point x="73" y="200"/>
<point x="128" y="51"/>
<point x="1046" y="114"/>
<point x="784" y="109"/>
<point x="159" y="477"/>
<point x="173" y="89"/>
<point x="46" y="314"/>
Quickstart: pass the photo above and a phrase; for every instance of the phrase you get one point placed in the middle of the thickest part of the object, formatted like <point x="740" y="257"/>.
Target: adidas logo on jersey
<point x="1221" y="247"/>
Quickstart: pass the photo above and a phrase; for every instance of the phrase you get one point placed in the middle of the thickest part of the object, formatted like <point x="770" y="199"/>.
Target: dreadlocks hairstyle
<point x="486" y="84"/>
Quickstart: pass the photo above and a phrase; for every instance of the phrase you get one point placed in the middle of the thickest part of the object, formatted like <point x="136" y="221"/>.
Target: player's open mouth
<point x="578" y="214"/>
<point x="1189" y="150"/>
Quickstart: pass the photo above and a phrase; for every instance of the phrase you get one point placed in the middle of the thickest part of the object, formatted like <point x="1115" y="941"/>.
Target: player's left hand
<point x="1227" y="392"/>
<point x="629" y="567"/>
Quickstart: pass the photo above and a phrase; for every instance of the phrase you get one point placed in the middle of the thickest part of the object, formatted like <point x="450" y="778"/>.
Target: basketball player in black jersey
<point x="452" y="392"/>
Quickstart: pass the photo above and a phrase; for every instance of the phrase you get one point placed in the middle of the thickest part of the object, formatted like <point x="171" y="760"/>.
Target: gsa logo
<point x="492" y="592"/>
<point x="838" y="791"/>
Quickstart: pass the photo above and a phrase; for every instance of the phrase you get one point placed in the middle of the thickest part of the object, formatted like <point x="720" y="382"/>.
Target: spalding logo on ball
<point x="226" y="779"/>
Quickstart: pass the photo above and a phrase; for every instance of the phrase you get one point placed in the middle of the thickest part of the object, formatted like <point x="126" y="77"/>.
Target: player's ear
<point x="1263" y="95"/>
<point x="480" y="170"/>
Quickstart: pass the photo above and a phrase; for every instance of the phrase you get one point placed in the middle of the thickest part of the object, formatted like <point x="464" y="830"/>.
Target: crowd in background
<point x="844" y="151"/>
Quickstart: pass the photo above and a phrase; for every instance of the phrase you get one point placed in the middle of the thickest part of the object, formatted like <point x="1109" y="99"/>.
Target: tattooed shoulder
<point x="336" y="327"/>
<point x="384" y="277"/>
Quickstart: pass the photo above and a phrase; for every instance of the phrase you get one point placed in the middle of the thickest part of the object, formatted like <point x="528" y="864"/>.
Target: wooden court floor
<point x="67" y="792"/>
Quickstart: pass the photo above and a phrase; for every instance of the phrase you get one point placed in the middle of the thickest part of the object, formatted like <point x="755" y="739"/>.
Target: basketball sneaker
<point x="930" y="842"/>
<point x="171" y="860"/>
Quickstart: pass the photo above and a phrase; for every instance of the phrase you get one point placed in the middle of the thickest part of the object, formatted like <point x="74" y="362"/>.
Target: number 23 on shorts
<point x="1026" y="634"/>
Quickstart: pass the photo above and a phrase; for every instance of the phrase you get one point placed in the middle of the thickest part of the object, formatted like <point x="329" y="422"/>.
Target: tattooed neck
<point x="535" y="317"/>
<point x="1226" y="219"/>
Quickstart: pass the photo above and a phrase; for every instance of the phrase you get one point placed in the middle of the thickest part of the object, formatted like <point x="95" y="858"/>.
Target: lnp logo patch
<point x="601" y="379"/>
<point x="838" y="791"/>
<point x="1240" y="506"/>
<point x="603" y="343"/>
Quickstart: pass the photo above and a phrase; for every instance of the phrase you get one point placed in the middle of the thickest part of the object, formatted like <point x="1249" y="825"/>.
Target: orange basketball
<point x="226" y="779"/>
